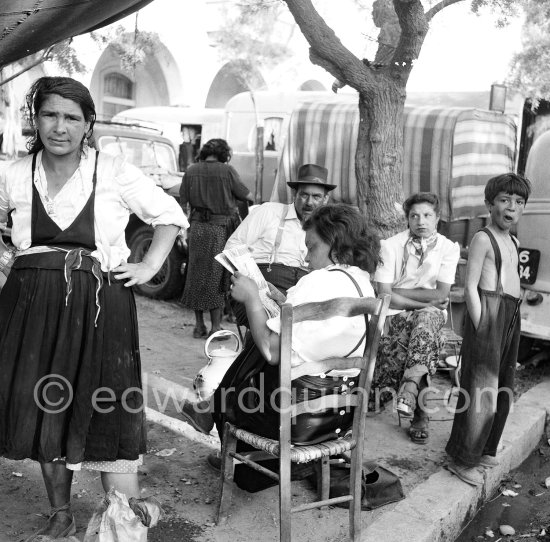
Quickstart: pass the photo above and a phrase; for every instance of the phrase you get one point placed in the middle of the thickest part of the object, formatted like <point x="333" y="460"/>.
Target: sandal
<point x="70" y="530"/>
<point x="418" y="431"/>
<point x="406" y="398"/>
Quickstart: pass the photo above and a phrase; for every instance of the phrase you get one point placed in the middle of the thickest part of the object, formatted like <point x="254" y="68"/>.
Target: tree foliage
<point x="248" y="40"/>
<point x="529" y="73"/>
<point x="132" y="48"/>
<point x="64" y="55"/>
<point x="61" y="53"/>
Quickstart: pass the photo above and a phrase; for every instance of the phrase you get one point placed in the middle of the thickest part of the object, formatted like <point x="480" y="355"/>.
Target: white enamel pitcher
<point x="210" y="376"/>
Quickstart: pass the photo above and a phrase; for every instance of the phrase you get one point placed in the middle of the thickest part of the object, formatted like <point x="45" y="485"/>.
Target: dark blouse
<point x="212" y="186"/>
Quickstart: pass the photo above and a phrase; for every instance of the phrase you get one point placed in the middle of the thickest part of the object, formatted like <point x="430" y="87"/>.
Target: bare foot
<point x="59" y="525"/>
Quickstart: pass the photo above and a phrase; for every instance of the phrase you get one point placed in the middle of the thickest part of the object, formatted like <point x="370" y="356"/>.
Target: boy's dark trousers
<point x="489" y="356"/>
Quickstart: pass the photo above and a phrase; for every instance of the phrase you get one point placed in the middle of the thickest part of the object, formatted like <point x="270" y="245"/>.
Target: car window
<point x="139" y="152"/>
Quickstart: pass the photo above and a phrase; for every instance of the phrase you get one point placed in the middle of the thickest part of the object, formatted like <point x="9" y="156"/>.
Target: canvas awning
<point x="447" y="150"/>
<point x="27" y="26"/>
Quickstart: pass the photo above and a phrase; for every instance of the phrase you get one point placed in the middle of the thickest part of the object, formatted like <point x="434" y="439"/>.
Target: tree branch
<point x="326" y="64"/>
<point x="43" y="58"/>
<point x="327" y="50"/>
<point x="414" y="28"/>
<point x="433" y="11"/>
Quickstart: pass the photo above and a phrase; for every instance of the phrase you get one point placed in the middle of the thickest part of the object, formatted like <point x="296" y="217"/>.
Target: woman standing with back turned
<point x="70" y="392"/>
<point x="211" y="187"/>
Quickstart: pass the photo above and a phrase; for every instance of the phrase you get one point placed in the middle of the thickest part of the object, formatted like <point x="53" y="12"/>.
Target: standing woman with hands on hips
<point x="70" y="393"/>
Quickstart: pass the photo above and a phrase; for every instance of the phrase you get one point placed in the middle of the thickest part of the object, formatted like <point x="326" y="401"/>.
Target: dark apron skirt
<point x="54" y="358"/>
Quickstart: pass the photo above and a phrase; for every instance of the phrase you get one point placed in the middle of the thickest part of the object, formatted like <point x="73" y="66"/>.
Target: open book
<point x="240" y="259"/>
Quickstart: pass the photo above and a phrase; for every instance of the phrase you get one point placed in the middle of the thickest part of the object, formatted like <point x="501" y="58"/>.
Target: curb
<point x="182" y="428"/>
<point x="166" y="391"/>
<point x="438" y="509"/>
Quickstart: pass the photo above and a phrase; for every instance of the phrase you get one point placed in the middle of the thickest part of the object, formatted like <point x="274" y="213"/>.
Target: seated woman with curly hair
<point x="341" y="254"/>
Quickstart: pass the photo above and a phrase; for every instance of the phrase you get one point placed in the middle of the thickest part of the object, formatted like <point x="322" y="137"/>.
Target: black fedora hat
<point x="312" y="174"/>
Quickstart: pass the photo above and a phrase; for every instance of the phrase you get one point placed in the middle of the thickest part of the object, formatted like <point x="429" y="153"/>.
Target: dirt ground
<point x="175" y="469"/>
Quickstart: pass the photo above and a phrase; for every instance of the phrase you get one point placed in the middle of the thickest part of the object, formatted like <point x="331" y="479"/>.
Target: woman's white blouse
<point x="121" y="189"/>
<point x="335" y="337"/>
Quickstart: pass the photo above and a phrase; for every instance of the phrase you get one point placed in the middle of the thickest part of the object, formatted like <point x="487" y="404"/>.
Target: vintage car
<point x="155" y="155"/>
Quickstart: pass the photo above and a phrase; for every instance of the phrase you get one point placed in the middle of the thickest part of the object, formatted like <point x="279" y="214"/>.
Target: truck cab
<point x="533" y="231"/>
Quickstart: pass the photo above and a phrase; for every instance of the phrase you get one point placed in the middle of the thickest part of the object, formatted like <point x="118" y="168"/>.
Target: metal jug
<point x="210" y="376"/>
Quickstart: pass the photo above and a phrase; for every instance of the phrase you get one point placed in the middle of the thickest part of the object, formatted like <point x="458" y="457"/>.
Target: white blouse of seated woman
<point x="320" y="284"/>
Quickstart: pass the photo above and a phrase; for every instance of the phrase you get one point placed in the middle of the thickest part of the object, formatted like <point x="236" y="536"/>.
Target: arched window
<point x="118" y="94"/>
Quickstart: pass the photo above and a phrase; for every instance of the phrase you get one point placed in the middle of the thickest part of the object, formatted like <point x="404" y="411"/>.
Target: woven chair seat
<point x="298" y="454"/>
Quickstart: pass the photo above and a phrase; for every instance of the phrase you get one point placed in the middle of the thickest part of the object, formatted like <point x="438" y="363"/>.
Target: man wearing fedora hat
<point x="274" y="235"/>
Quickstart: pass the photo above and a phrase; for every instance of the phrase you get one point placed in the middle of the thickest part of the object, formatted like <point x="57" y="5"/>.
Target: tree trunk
<point x="258" y="151"/>
<point x="379" y="157"/>
<point x="258" y="186"/>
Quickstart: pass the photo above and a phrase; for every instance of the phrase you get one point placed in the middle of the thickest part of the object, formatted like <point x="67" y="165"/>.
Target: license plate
<point x="528" y="265"/>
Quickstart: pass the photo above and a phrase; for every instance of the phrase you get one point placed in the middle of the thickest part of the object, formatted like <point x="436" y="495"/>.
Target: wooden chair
<point x="287" y="452"/>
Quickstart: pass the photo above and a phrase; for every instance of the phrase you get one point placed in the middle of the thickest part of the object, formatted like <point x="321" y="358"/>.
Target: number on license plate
<point x="528" y="265"/>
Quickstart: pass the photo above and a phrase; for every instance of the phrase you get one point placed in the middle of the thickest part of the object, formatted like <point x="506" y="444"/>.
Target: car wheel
<point x="168" y="282"/>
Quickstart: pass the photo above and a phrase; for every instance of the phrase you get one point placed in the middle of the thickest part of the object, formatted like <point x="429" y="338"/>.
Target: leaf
<point x="509" y="493"/>
<point x="165" y="452"/>
<point x="507" y="530"/>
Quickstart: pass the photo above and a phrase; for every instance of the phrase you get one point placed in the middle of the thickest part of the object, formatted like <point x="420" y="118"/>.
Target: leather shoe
<point x="214" y="461"/>
<point x="489" y="461"/>
<point x="198" y="416"/>
<point x="470" y="475"/>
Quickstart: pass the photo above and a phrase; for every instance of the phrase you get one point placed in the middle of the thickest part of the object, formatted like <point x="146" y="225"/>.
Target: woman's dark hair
<point x="509" y="183"/>
<point x="421" y="197"/>
<point x="344" y="229"/>
<point x="217" y="148"/>
<point x="67" y="88"/>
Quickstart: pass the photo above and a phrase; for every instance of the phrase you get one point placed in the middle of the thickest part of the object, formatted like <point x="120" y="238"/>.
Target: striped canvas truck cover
<point x="449" y="151"/>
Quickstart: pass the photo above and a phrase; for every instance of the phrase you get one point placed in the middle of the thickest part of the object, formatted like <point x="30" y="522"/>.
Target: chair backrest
<point x="377" y="309"/>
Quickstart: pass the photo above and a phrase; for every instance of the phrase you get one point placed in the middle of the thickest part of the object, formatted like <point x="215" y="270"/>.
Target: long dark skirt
<point x="206" y="281"/>
<point x="53" y="359"/>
